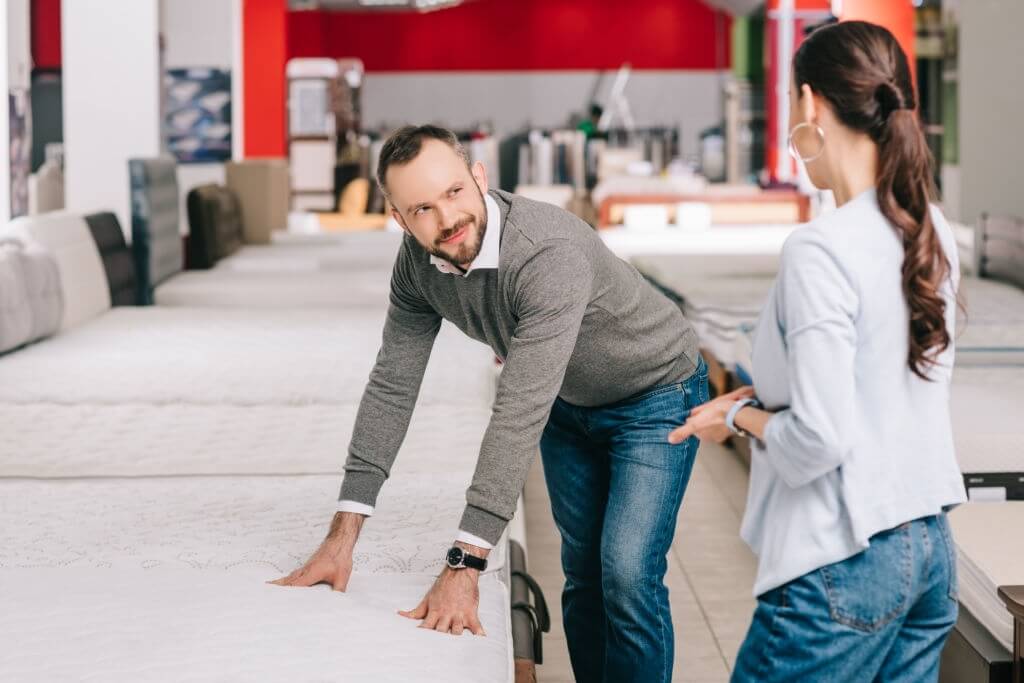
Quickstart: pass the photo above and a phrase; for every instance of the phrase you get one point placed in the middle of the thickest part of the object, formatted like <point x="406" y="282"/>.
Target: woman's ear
<point x="808" y="104"/>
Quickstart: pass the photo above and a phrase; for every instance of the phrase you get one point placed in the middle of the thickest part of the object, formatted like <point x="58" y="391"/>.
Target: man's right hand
<point x="332" y="562"/>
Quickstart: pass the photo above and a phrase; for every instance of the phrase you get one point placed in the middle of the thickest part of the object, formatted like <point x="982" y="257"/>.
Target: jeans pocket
<point x="947" y="541"/>
<point x="870" y="589"/>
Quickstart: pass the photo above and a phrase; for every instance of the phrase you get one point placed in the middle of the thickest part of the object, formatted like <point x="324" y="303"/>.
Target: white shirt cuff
<point x="470" y="539"/>
<point x="352" y="506"/>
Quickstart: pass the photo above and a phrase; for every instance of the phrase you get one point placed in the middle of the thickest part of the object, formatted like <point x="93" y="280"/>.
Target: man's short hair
<point x="405" y="143"/>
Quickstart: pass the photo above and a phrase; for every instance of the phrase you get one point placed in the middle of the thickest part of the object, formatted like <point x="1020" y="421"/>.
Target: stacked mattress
<point x="158" y="465"/>
<point x="988" y="556"/>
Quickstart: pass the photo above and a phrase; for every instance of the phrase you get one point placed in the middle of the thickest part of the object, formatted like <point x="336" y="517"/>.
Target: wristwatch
<point x="730" y="417"/>
<point x="460" y="559"/>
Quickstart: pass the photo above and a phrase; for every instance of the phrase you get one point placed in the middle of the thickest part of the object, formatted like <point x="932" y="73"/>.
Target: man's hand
<point x="332" y="562"/>
<point x="453" y="602"/>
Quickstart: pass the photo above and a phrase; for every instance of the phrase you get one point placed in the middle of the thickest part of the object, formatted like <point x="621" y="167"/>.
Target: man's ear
<point x="400" y="220"/>
<point x="479" y="172"/>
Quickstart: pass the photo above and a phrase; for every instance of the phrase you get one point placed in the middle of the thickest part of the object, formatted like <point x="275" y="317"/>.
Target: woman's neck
<point x="853" y="166"/>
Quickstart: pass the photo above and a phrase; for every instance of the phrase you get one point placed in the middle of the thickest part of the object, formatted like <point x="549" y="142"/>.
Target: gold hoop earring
<point x="795" y="153"/>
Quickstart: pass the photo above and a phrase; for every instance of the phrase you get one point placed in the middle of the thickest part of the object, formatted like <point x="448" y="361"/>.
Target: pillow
<point x="31" y="299"/>
<point x="83" y="281"/>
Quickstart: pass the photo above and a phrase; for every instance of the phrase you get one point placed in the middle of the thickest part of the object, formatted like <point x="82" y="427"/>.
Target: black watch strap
<point x="474" y="562"/>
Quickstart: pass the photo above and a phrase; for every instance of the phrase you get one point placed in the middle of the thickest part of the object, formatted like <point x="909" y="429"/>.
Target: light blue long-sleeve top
<point x="858" y="443"/>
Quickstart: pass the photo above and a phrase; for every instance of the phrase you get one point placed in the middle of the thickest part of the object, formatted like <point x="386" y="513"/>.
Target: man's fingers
<point x="340" y="582"/>
<point x="287" y="580"/>
<point x="457" y="627"/>
<point x="419" y="612"/>
<point x="431" y="621"/>
<point x="475" y="627"/>
<point x="444" y="624"/>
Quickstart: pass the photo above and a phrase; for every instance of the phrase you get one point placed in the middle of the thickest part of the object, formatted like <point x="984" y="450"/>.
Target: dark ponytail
<point x="863" y="73"/>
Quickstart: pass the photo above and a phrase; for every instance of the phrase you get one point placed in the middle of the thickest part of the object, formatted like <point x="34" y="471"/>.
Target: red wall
<point x="264" y="26"/>
<point x="490" y="35"/>
<point x="45" y="22"/>
<point x="898" y="17"/>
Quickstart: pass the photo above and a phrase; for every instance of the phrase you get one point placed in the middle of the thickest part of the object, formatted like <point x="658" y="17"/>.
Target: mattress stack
<point x="159" y="464"/>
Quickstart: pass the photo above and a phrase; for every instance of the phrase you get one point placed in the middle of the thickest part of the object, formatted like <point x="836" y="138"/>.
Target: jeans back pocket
<point x="950" y="549"/>
<point x="870" y="589"/>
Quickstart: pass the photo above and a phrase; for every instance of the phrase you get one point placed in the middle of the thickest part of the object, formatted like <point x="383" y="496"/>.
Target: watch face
<point x="455" y="557"/>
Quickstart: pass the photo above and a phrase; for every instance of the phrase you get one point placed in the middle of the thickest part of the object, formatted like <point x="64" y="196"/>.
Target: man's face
<point x="440" y="202"/>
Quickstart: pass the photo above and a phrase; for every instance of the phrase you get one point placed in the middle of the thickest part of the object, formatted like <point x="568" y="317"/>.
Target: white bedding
<point x="140" y="439"/>
<point x="221" y="523"/>
<point x="227" y="356"/>
<point x="988" y="556"/>
<point x="268" y="284"/>
<point x="985" y="407"/>
<point x="187" y="625"/>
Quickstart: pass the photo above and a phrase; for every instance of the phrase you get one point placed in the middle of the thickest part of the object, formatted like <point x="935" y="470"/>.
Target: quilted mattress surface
<point x="988" y="556"/>
<point x="986" y="418"/>
<point x="214" y="356"/>
<point x="206" y="523"/>
<point x="265" y="283"/>
<point x="139" y="439"/>
<point x="166" y="624"/>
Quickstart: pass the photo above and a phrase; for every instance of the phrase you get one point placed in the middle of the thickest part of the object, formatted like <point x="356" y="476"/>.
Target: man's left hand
<point x="452" y="604"/>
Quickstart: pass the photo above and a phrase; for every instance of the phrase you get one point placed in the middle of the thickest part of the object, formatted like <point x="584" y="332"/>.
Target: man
<point x="598" y="369"/>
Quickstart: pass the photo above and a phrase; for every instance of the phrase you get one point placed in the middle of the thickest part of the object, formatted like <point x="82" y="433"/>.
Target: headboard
<point x="263" y="191"/>
<point x="116" y="257"/>
<point x="83" y="281"/>
<point x="214" y="225"/>
<point x="156" y="242"/>
<point x="999" y="248"/>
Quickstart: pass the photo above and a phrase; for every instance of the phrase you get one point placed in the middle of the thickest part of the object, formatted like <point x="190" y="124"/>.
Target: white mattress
<point x="217" y="356"/>
<point x="986" y="419"/>
<point x="989" y="555"/>
<point x="358" y="252"/>
<point x="764" y="240"/>
<point x="267" y="522"/>
<point x="140" y="439"/>
<point x="264" y="283"/>
<point x="721" y="293"/>
<point x="186" y="625"/>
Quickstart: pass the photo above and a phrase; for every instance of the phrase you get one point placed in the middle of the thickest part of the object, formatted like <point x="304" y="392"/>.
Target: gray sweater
<point x="569" y="319"/>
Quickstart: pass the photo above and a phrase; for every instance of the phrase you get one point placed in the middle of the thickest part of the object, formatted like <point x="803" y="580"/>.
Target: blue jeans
<point x="881" y="615"/>
<point x="616" y="485"/>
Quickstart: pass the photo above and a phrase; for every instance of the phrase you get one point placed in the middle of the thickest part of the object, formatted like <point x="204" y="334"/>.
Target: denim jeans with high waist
<point x="881" y="615"/>
<point x="616" y="485"/>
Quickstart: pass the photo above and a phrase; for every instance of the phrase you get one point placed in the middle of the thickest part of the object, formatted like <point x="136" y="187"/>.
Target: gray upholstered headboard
<point x="156" y="242"/>
<point x="999" y="248"/>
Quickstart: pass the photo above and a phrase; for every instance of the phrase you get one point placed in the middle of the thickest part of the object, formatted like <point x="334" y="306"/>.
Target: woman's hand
<point x="707" y="421"/>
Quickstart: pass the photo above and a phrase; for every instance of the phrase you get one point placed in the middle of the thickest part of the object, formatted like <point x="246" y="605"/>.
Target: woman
<point x="853" y="465"/>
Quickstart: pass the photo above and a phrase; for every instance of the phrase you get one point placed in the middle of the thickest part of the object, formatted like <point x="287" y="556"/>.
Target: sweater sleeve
<point x="818" y="309"/>
<point x="387" y="404"/>
<point x="551" y="291"/>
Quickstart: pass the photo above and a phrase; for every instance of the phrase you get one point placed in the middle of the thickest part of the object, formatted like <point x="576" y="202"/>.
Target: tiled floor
<point x="711" y="571"/>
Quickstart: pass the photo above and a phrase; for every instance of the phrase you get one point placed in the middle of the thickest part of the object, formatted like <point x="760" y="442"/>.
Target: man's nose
<point x="447" y="215"/>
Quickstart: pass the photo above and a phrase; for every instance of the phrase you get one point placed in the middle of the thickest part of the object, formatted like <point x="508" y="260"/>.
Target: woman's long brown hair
<point x="862" y="71"/>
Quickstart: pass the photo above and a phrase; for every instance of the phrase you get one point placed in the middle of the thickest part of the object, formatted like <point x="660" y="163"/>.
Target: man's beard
<point x="467" y="250"/>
